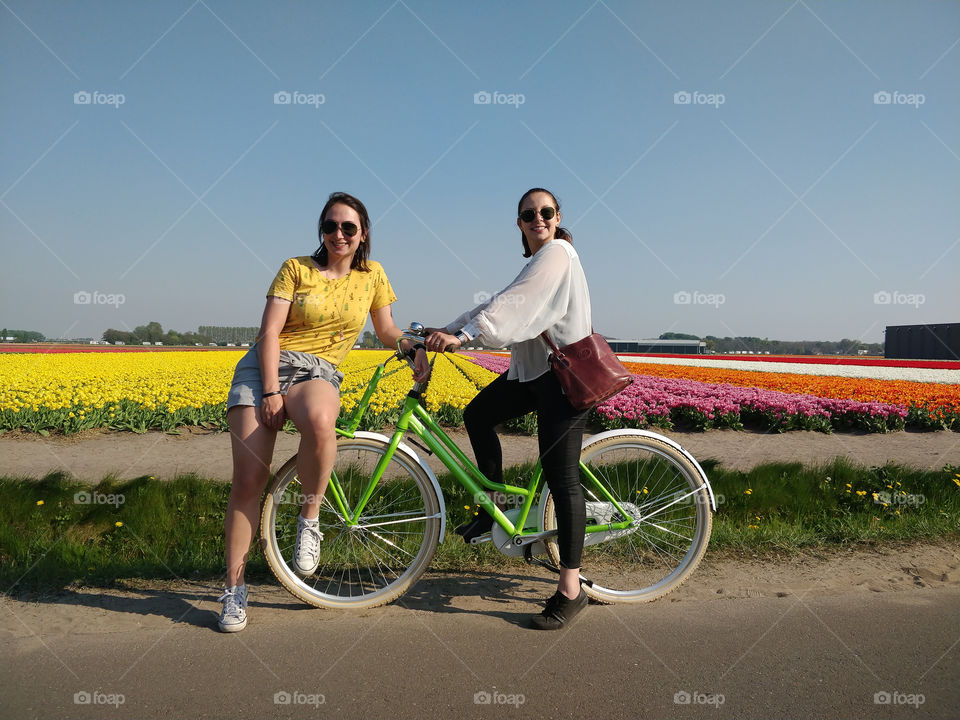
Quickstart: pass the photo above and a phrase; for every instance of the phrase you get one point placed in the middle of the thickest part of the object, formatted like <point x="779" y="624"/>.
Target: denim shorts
<point x="295" y="367"/>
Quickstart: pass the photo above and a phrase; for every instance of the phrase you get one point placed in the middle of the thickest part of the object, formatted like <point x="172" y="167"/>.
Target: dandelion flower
<point x="118" y="523"/>
<point x="748" y="491"/>
<point x="39" y="502"/>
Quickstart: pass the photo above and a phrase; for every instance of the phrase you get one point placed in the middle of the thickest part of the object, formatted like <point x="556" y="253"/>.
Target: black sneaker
<point x="480" y="524"/>
<point x="560" y="610"/>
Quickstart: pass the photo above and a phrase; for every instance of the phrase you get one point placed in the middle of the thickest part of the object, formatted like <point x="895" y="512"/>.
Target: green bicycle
<point x="649" y="511"/>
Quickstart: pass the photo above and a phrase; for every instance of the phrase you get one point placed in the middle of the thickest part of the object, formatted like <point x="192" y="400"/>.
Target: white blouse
<point x="550" y="294"/>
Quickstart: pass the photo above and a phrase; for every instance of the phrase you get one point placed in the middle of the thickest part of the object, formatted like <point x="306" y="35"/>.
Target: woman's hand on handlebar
<point x="440" y="341"/>
<point x="271" y="412"/>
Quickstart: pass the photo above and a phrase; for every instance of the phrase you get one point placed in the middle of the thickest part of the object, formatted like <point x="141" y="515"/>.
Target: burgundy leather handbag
<point x="588" y="371"/>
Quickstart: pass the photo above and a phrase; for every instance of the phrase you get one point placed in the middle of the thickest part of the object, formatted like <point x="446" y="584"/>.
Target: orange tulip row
<point x="931" y="396"/>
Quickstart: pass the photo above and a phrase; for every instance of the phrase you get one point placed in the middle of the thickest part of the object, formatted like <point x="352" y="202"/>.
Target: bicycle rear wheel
<point x="667" y="497"/>
<point x="368" y="563"/>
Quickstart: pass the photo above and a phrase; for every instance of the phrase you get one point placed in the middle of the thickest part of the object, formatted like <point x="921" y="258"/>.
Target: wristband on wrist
<point x="271" y="394"/>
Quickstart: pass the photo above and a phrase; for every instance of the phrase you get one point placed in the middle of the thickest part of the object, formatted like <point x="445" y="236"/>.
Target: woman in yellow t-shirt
<point x="316" y="307"/>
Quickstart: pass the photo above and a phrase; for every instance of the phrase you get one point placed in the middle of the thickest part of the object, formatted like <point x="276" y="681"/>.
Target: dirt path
<point x="859" y="634"/>
<point x="91" y="455"/>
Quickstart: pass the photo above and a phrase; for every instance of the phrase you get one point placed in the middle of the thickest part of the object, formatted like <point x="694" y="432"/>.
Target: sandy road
<point x="831" y="637"/>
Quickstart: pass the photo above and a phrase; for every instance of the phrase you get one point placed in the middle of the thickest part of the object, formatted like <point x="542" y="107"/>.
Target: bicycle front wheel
<point x="665" y="496"/>
<point x="362" y="564"/>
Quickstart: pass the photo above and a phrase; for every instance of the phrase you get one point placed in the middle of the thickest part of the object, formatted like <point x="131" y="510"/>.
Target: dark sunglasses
<point x="547" y="213"/>
<point x="329" y="227"/>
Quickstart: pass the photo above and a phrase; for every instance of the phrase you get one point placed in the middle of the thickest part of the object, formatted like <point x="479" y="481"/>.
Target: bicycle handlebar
<point x="416" y="333"/>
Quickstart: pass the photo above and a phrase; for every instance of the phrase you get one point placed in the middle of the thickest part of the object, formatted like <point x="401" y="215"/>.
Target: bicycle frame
<point x="414" y="418"/>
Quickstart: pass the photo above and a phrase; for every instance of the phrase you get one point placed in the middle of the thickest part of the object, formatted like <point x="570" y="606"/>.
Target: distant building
<point x="656" y="346"/>
<point x="922" y="342"/>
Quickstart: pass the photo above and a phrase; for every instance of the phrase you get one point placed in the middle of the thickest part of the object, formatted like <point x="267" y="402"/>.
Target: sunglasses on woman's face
<point x="329" y="227"/>
<point x="547" y="213"/>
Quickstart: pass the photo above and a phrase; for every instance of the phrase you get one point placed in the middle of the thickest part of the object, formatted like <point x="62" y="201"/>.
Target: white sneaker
<point x="233" y="616"/>
<point x="306" y="553"/>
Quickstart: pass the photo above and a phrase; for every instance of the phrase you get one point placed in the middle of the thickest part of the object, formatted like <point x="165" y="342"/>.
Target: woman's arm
<point x="270" y="412"/>
<point x="533" y="302"/>
<point x="388" y="333"/>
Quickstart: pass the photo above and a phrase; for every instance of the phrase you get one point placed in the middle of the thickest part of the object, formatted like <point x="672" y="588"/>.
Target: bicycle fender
<point x="411" y="453"/>
<point x="646" y="433"/>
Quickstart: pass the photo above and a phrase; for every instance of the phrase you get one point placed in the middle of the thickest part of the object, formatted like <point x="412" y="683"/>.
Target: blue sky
<point x="726" y="168"/>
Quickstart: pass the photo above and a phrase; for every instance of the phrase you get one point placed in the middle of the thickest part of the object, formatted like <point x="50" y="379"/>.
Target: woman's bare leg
<point x="252" y="446"/>
<point x="313" y="406"/>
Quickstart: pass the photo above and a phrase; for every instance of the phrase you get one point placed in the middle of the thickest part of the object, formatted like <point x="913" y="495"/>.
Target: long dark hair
<point x="359" y="261"/>
<point x="560" y="232"/>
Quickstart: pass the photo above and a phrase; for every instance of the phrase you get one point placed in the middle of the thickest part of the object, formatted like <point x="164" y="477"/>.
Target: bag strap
<point x="550" y="344"/>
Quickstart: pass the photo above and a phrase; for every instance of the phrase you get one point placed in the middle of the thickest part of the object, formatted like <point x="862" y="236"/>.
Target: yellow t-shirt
<point x="326" y="316"/>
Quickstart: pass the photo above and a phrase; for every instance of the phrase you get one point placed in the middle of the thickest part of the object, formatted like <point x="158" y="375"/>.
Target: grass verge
<point x="56" y="532"/>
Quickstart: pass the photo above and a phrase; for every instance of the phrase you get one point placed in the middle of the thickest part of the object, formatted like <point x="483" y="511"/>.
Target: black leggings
<point x="560" y="433"/>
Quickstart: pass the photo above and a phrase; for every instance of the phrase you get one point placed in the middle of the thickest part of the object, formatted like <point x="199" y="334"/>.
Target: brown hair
<point x="560" y="232"/>
<point x="359" y="261"/>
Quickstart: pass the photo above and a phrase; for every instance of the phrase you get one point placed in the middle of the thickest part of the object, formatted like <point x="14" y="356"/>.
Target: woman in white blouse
<point x="550" y="294"/>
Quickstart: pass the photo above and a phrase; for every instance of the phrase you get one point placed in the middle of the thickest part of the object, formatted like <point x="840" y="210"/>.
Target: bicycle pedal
<point x="486" y="537"/>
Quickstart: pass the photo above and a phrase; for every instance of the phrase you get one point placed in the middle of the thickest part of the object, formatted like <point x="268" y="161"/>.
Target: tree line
<point x="779" y="347"/>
